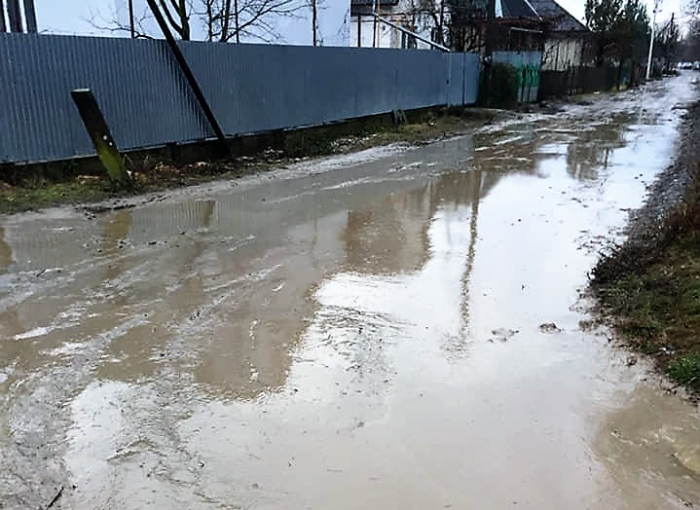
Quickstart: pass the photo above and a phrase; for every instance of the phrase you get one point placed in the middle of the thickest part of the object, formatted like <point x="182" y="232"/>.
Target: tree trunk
<point x="132" y="28"/>
<point x="314" y="20"/>
<point x="440" y="28"/>
<point x="226" y="20"/>
<point x="490" y="28"/>
<point x="210" y="21"/>
<point x="184" y="20"/>
<point x="236" y="21"/>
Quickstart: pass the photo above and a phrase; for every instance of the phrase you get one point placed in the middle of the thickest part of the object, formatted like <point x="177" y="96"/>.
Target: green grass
<point x="652" y="292"/>
<point x="686" y="371"/>
<point x="18" y="199"/>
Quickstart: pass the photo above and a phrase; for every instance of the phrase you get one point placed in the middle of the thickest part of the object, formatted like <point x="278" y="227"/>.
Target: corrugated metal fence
<point x="251" y="88"/>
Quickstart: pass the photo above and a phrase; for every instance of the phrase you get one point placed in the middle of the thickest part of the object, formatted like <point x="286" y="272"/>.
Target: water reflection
<point x="5" y="253"/>
<point x="390" y="236"/>
<point x="590" y="151"/>
<point x="212" y="279"/>
<point x="419" y="287"/>
<point x="328" y="326"/>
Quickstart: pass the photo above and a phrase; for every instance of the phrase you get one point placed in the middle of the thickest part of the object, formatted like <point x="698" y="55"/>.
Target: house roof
<point x="559" y="18"/>
<point x="370" y="3"/>
<point x="513" y="9"/>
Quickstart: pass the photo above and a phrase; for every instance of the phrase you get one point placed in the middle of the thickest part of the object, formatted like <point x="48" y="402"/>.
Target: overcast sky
<point x="73" y="16"/>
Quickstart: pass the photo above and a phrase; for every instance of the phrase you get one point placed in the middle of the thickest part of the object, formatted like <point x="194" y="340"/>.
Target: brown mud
<point x="63" y="184"/>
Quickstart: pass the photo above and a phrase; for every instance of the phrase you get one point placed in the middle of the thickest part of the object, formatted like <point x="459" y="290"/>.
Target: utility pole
<point x="132" y="26"/>
<point x="314" y="20"/>
<point x="30" y="16"/>
<point x="657" y="5"/>
<point x="490" y="28"/>
<point x="15" y="16"/>
<point x="377" y="33"/>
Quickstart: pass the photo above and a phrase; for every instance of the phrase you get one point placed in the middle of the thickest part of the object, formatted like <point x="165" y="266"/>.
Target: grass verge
<point x="650" y="286"/>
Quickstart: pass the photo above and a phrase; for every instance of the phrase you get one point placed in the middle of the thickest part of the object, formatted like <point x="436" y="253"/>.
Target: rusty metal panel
<point x="251" y="89"/>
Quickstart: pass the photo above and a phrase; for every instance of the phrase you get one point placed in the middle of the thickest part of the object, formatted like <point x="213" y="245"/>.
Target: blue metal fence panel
<point x="251" y="88"/>
<point x="472" y="73"/>
<point x="144" y="99"/>
<point x="463" y="82"/>
<point x="455" y="78"/>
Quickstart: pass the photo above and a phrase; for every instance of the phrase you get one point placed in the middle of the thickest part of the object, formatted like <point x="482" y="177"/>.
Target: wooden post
<point x="14" y="15"/>
<point x="189" y="76"/>
<point x="314" y="20"/>
<point x="490" y="28"/>
<point x="378" y="29"/>
<point x="98" y="130"/>
<point x="30" y="16"/>
<point x="376" y="25"/>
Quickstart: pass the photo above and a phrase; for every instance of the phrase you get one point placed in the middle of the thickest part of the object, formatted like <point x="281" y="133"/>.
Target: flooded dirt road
<point x="402" y="328"/>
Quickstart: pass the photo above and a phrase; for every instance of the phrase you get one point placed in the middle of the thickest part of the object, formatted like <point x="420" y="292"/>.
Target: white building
<point x="368" y="32"/>
<point x="566" y="37"/>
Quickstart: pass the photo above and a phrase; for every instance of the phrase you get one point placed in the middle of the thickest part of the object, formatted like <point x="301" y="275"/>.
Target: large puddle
<point x="399" y="328"/>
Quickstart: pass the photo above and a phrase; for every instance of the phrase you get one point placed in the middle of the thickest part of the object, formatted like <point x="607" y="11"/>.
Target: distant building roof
<point x="513" y="9"/>
<point x="370" y="3"/>
<point x="559" y="18"/>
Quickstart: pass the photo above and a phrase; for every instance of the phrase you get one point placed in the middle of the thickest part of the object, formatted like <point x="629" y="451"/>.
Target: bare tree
<point x="457" y="24"/>
<point x="136" y="26"/>
<point x="176" y="12"/>
<point x="428" y="13"/>
<point x="222" y="20"/>
<point x="230" y="20"/>
<point x="314" y="21"/>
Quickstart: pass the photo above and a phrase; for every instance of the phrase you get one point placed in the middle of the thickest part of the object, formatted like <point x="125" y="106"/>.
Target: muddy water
<point x="361" y="331"/>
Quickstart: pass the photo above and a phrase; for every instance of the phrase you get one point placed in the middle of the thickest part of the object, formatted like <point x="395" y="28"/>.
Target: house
<point x="403" y="23"/>
<point x="519" y="26"/>
<point x="565" y="36"/>
<point x="459" y="25"/>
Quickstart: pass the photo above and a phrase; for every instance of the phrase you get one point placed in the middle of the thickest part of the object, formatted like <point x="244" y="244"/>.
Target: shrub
<point x="499" y="86"/>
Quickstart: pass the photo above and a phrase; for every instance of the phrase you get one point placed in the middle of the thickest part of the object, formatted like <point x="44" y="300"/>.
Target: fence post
<point x="30" y="16"/>
<point x="100" y="135"/>
<point x="15" y="16"/>
<point x="189" y="76"/>
<point x="464" y="79"/>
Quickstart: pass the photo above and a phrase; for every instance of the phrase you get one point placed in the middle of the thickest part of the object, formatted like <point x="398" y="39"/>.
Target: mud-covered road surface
<point x="401" y="328"/>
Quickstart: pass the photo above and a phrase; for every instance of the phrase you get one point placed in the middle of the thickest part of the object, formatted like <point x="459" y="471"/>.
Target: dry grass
<point x="652" y="290"/>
